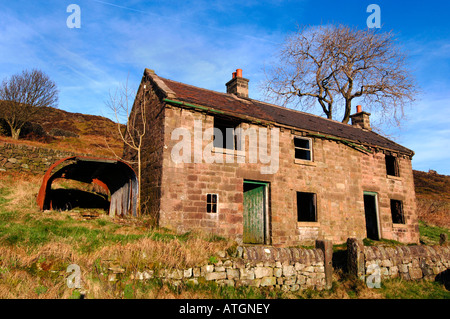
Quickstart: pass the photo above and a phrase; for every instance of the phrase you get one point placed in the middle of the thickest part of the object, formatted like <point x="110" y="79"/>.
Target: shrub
<point x="60" y="132"/>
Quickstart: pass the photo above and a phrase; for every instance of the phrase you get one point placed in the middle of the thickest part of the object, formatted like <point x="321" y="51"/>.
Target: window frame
<point x="210" y="203"/>
<point x="310" y="149"/>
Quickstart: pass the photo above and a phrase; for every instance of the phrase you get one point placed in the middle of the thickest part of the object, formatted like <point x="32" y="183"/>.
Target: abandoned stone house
<point x="233" y="166"/>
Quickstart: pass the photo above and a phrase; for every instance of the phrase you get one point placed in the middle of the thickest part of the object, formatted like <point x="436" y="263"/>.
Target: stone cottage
<point x="233" y="166"/>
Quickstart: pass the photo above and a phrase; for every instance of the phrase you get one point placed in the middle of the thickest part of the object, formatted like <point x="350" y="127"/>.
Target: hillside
<point x="432" y="185"/>
<point x="76" y="132"/>
<point x="433" y="198"/>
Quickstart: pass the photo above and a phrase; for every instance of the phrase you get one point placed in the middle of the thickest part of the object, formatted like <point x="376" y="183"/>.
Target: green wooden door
<point x="254" y="213"/>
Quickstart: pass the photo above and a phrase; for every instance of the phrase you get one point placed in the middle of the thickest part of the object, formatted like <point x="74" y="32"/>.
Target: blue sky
<point x="203" y="42"/>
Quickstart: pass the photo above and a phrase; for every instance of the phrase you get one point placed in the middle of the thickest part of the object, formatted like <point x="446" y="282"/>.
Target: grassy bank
<point x="37" y="247"/>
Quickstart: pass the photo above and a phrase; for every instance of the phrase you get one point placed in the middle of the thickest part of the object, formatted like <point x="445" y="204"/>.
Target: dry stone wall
<point x="288" y="269"/>
<point x="17" y="157"/>
<point x="407" y="262"/>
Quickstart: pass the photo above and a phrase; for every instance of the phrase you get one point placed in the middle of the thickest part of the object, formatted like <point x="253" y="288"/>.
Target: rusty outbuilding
<point x="115" y="178"/>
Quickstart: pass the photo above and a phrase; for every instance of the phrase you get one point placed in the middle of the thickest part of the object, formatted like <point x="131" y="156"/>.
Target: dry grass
<point x="22" y="188"/>
<point x="46" y="243"/>
<point x="434" y="212"/>
<point x="37" y="247"/>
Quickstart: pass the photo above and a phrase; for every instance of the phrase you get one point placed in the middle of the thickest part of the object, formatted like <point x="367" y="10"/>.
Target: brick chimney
<point x="238" y="85"/>
<point x="361" y="119"/>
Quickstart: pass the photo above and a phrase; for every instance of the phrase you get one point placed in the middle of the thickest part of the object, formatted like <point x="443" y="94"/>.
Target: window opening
<point x="392" y="166"/>
<point x="397" y="212"/>
<point x="224" y="134"/>
<point x="306" y="207"/>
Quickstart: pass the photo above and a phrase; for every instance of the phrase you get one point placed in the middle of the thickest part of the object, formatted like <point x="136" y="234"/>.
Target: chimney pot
<point x="239" y="73"/>
<point x="358" y="109"/>
<point x="234" y="75"/>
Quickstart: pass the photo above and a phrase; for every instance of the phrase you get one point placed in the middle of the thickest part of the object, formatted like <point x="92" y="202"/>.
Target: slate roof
<point x="268" y="112"/>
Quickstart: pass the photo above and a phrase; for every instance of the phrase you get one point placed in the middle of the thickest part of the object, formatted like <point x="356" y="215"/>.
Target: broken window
<point x="303" y="149"/>
<point x="397" y="212"/>
<point x="392" y="165"/>
<point x="224" y="134"/>
<point x="306" y="207"/>
<point x="211" y="203"/>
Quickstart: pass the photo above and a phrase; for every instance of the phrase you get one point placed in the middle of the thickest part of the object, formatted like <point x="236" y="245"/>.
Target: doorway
<point x="371" y="214"/>
<point x="255" y="212"/>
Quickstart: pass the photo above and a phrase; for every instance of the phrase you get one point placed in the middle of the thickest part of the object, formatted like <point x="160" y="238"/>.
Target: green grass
<point x="429" y="235"/>
<point x="32" y="230"/>
<point x="22" y="230"/>
<point x="423" y="289"/>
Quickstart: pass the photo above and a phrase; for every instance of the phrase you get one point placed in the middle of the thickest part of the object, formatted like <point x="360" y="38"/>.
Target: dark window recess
<point x="392" y="166"/>
<point x="302" y="148"/>
<point x="306" y="207"/>
<point x="397" y="212"/>
<point x="211" y="203"/>
<point x="224" y="134"/>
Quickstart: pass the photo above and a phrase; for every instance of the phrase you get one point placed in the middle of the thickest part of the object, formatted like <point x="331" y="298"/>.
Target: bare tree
<point x="23" y="96"/>
<point x="135" y="129"/>
<point x="333" y="65"/>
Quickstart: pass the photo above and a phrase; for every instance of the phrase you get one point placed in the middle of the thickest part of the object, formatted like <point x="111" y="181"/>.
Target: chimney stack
<point x="361" y="119"/>
<point x="238" y="85"/>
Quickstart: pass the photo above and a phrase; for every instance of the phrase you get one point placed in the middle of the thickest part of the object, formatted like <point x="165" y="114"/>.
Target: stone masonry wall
<point x="338" y="175"/>
<point x="152" y="146"/>
<point x="19" y="157"/>
<point x="407" y="262"/>
<point x="286" y="268"/>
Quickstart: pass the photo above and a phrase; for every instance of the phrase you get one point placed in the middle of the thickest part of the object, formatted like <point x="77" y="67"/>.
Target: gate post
<point x="356" y="258"/>
<point x="327" y="247"/>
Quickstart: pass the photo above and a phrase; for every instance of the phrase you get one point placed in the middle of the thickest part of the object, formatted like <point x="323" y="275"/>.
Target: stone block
<point x="207" y="269"/>
<point x="268" y="281"/>
<point x="176" y="274"/>
<point x="196" y="272"/>
<point x="277" y="272"/>
<point x="309" y="269"/>
<point x="291" y="280"/>
<point x="263" y="272"/>
<point x="299" y="266"/>
<point x="403" y="268"/>
<point x="288" y="271"/>
<point x="187" y="273"/>
<point x="246" y="274"/>
<point x="415" y="273"/>
<point x="295" y="287"/>
<point x="215" y="276"/>
<point x="248" y="282"/>
<point x="232" y="273"/>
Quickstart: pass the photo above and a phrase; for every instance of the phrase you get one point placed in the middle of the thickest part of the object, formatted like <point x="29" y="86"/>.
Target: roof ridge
<point x="209" y="90"/>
